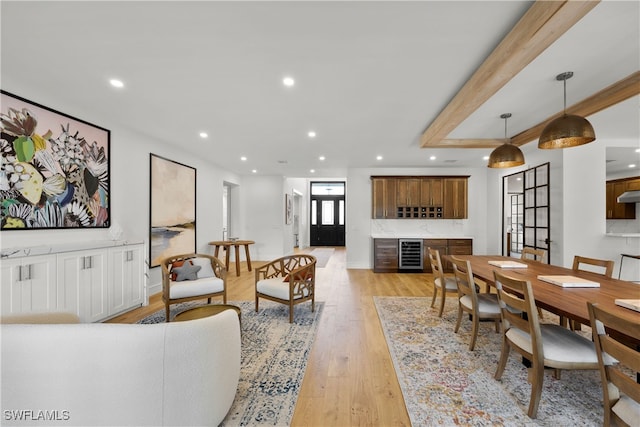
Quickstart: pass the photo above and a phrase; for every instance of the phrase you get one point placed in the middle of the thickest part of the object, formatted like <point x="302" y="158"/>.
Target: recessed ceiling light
<point x="632" y="166"/>
<point x="254" y="171"/>
<point x="243" y="158"/>
<point x="116" y="83"/>
<point x="204" y="135"/>
<point x="432" y="158"/>
<point x="485" y="158"/>
<point x="321" y="157"/>
<point x="378" y="157"/>
<point x="518" y="179"/>
<point x="288" y="81"/>
<point x="312" y="171"/>
<point x="311" y="134"/>
<point x="637" y="150"/>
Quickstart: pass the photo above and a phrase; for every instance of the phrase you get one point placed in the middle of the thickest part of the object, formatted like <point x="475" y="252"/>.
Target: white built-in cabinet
<point x="28" y="284"/>
<point x="126" y="287"/>
<point x="94" y="283"/>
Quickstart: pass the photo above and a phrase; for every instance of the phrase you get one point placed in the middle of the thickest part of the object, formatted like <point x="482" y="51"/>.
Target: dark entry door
<point x="327" y="214"/>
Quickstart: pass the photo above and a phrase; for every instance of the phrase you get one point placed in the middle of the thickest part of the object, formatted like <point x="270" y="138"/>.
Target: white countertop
<point x="623" y="235"/>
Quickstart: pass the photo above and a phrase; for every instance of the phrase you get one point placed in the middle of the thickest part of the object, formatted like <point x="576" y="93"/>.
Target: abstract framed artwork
<point x="172" y="211"/>
<point x="288" y="208"/>
<point x="55" y="170"/>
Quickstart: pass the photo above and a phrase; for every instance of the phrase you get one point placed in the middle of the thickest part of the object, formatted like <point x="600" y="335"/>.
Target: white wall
<point x="584" y="174"/>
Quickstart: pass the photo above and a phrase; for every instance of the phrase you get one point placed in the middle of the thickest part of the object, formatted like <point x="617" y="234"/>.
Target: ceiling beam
<point x="539" y="28"/>
<point x="611" y="95"/>
<point x="470" y="143"/>
<point x="607" y="97"/>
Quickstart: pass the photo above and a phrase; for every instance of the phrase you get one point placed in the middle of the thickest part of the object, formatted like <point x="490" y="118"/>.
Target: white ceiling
<point x="370" y="76"/>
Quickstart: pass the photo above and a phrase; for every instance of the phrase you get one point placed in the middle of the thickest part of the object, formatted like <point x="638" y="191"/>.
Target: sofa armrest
<point x="56" y="317"/>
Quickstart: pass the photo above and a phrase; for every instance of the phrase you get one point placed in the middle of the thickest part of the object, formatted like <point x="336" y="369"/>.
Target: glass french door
<point x="526" y="211"/>
<point x="537" y="209"/>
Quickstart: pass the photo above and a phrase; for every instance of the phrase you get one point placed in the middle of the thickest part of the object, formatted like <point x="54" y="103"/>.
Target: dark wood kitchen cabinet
<point x="385" y="255"/>
<point x="615" y="188"/>
<point x="455" y="198"/>
<point x="384" y="198"/>
<point x="419" y="197"/>
<point x="446" y="247"/>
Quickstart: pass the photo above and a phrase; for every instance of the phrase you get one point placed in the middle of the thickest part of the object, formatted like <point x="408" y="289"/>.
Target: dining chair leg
<point x="455" y="330"/>
<point x="537" y="373"/>
<point x="504" y="356"/>
<point x="474" y="332"/>
<point x="444" y="295"/>
<point x="435" y="294"/>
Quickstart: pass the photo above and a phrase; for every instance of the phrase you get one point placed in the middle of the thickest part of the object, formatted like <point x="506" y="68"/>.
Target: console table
<point x="226" y="244"/>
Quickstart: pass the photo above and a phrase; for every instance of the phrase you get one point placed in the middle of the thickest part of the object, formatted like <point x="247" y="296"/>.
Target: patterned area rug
<point x="443" y="383"/>
<point x="274" y="358"/>
<point x="323" y="255"/>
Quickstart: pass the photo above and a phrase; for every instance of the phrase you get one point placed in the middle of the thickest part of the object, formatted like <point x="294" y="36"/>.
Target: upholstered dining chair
<point x="441" y="282"/>
<point x="544" y="345"/>
<point x="534" y="254"/>
<point x="620" y="391"/>
<point x="190" y="277"/>
<point x="605" y="265"/>
<point x="480" y="306"/>
<point x="288" y="280"/>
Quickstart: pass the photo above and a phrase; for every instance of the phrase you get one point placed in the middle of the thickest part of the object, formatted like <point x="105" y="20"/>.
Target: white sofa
<point x="166" y="374"/>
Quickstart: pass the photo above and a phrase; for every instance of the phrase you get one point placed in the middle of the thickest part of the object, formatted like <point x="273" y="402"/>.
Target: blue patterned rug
<point x="445" y="384"/>
<point x="274" y="358"/>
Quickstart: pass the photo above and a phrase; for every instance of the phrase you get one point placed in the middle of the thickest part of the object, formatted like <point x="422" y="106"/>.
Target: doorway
<point x="526" y="211"/>
<point x="327" y="214"/>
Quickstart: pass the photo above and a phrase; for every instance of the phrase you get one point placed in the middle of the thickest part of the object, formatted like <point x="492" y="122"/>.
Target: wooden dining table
<point x="567" y="302"/>
<point x="227" y="244"/>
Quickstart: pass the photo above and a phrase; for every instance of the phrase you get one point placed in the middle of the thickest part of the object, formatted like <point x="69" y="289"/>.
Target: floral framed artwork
<point x="55" y="168"/>
<point x="172" y="229"/>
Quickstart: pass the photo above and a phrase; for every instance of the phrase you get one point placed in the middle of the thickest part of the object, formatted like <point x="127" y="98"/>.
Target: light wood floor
<point x="350" y="380"/>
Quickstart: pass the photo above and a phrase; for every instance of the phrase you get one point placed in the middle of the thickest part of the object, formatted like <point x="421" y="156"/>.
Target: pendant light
<point x="567" y="130"/>
<point x="507" y="155"/>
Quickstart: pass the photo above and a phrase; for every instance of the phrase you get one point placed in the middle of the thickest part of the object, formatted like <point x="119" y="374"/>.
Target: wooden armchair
<point x="190" y="277"/>
<point x="288" y="280"/>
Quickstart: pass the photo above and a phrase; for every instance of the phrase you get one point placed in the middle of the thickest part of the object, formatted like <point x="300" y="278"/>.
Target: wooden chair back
<point x="615" y="383"/>
<point x="534" y="254"/>
<point x="518" y="308"/>
<point x="606" y="264"/>
<point x="436" y="264"/>
<point x="464" y="279"/>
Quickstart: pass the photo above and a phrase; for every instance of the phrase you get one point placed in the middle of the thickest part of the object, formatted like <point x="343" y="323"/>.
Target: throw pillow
<point x="187" y="271"/>
<point x="206" y="270"/>
<point x="174" y="265"/>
